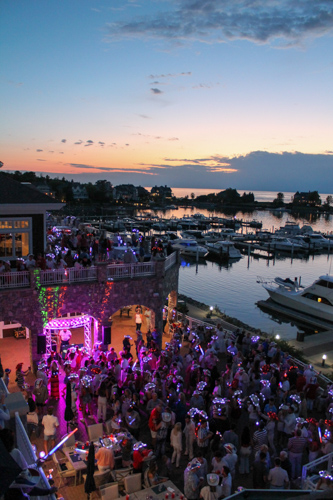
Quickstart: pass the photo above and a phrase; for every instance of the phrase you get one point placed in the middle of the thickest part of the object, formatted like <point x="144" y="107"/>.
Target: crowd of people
<point x="80" y="249"/>
<point x="225" y="408"/>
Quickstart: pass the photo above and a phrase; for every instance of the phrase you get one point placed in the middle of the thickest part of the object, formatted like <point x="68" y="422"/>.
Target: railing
<point x="123" y="271"/>
<point x="70" y="275"/>
<point x="52" y="276"/>
<point x="15" y="280"/>
<point x="21" y="279"/>
<point x="310" y="471"/>
<point x="194" y="322"/>
<point x="85" y="274"/>
<point x="170" y="261"/>
<point x="319" y="375"/>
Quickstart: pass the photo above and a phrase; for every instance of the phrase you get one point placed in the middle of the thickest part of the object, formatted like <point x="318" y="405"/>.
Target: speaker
<point x="106" y="330"/>
<point x="41" y="344"/>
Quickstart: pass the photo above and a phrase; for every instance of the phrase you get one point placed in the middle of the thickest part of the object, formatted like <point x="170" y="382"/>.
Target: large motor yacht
<point x="315" y="300"/>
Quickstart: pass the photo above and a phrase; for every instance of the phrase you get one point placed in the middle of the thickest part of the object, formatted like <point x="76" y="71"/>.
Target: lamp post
<point x="277" y="337"/>
<point x="323" y="360"/>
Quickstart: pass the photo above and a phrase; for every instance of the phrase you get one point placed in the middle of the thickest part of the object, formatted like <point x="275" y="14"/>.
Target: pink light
<point x="60" y="323"/>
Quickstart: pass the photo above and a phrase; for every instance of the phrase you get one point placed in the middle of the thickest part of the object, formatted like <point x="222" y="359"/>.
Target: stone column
<point x="102" y="272"/>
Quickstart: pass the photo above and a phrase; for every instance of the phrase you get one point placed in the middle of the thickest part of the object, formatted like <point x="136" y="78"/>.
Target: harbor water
<point x="234" y="287"/>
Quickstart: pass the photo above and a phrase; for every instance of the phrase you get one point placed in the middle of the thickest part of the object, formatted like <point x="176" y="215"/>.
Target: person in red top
<point x="140" y="453"/>
<point x="311" y="392"/>
<point x="300" y="383"/>
<point x="154" y="419"/>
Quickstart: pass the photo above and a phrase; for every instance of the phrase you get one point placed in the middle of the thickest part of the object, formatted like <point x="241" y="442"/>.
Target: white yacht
<point x="223" y="250"/>
<point x="189" y="247"/>
<point x="282" y="244"/>
<point x="315" y="300"/>
<point x="317" y="241"/>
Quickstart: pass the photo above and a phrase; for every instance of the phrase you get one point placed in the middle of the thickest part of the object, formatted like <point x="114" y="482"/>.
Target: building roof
<point x="15" y="193"/>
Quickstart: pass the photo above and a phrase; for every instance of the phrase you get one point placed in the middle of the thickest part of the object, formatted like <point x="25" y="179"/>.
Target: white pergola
<point x="53" y="327"/>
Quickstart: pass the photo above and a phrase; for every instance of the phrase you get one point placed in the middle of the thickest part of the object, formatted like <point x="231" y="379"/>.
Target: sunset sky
<point x="188" y="93"/>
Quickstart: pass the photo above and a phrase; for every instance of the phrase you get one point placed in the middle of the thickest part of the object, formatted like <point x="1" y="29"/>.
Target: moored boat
<point x="315" y="300"/>
<point x="223" y="250"/>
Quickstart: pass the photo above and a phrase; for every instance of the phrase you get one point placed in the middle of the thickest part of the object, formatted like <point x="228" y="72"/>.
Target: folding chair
<point x="118" y="475"/>
<point x="109" y="491"/>
<point x="132" y="483"/>
<point x="95" y="431"/>
<point x="64" y="469"/>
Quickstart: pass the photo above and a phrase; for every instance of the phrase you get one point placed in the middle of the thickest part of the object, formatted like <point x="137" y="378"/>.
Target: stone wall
<point x="35" y="306"/>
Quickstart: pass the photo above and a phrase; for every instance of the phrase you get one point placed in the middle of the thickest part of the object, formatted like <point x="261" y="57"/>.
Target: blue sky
<point x="185" y="93"/>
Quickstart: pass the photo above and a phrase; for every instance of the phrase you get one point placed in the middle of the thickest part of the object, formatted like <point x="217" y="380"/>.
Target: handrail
<point x="135" y="270"/>
<point x="170" y="261"/>
<point x="19" y="279"/>
<point x="308" y="482"/>
<point x="69" y="275"/>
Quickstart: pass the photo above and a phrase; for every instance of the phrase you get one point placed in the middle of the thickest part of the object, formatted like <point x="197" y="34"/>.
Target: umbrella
<point x="69" y="415"/>
<point x="89" y="485"/>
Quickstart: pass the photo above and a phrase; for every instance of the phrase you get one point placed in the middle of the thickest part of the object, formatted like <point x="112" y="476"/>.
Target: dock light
<point x="323" y="360"/>
<point x="277" y="337"/>
<point x="211" y="309"/>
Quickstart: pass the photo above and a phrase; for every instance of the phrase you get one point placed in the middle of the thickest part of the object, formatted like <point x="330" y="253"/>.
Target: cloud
<point x="14" y="84"/>
<point x="39" y="150"/>
<point x="171" y="75"/>
<point x="145" y="117"/>
<point x="40" y="159"/>
<point x="90" y="141"/>
<point x="108" y="169"/>
<point x="63" y="140"/>
<point x="78" y="142"/>
<point x="156" y="91"/>
<point x="101" y="143"/>
<point x="257" y="170"/>
<point x="216" y="21"/>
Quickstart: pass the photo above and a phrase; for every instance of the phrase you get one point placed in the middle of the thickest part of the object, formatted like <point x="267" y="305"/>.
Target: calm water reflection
<point x="234" y="288"/>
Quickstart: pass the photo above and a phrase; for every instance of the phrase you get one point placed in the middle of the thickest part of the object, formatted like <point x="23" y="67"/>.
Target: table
<point x="154" y="492"/>
<point x="76" y="459"/>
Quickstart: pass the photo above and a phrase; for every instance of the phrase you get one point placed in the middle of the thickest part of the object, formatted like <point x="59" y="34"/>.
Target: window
<point x="325" y="283"/>
<point x="15" y="238"/>
<point x="317" y="298"/>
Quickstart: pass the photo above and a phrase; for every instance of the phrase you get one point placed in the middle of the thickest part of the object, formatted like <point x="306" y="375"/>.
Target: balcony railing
<point x="70" y="275"/>
<point x="21" y="279"/>
<point x="15" y="280"/>
<point x="123" y="271"/>
<point x="170" y="261"/>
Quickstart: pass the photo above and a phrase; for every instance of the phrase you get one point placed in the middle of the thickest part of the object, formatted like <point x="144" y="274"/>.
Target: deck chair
<point x="95" y="431"/>
<point x="109" y="491"/>
<point x="64" y="469"/>
<point x="132" y="483"/>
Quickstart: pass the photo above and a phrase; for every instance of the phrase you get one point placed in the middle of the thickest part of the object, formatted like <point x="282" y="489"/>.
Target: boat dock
<point x="316" y="323"/>
<point x="255" y="250"/>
